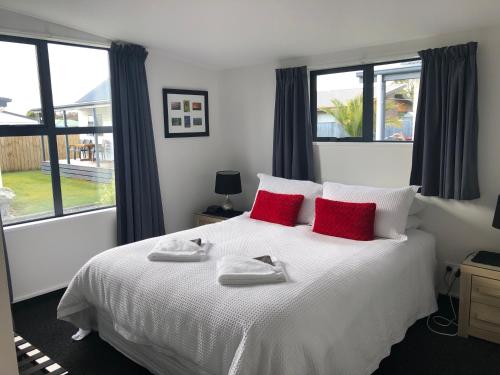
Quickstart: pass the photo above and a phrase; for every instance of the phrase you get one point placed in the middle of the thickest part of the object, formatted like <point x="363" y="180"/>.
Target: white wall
<point x="186" y="166"/>
<point x="248" y="116"/>
<point x="45" y="255"/>
<point x="7" y="351"/>
<point x="460" y="227"/>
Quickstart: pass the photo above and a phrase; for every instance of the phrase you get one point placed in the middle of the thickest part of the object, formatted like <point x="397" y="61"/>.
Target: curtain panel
<point x="6" y="258"/>
<point x="446" y="126"/>
<point x="292" y="144"/>
<point x="138" y="199"/>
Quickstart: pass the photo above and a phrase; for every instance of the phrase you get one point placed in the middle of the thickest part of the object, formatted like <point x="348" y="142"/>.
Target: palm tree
<point x="349" y="115"/>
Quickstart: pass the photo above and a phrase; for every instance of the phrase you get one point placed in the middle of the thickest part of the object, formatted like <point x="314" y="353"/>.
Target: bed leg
<point x="81" y="334"/>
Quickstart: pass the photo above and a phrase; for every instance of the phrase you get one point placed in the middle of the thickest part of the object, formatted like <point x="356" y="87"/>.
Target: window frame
<point x="47" y="126"/>
<point x="368" y="82"/>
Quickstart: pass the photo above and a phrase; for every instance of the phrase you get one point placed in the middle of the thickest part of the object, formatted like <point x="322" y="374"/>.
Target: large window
<point x="373" y="102"/>
<point x="56" y="141"/>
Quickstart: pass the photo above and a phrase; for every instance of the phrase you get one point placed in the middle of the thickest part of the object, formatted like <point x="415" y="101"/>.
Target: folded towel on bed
<point x="178" y="250"/>
<point x="240" y="270"/>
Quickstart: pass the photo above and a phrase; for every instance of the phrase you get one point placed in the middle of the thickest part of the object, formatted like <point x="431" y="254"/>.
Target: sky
<point x="74" y="72"/>
<point x="339" y="81"/>
<point x="348" y="80"/>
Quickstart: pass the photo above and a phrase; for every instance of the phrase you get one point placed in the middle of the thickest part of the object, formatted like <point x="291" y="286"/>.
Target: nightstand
<point x="205" y="218"/>
<point x="479" y="313"/>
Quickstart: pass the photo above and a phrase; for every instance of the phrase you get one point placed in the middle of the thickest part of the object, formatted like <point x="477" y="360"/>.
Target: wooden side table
<point x="204" y="218"/>
<point x="479" y="313"/>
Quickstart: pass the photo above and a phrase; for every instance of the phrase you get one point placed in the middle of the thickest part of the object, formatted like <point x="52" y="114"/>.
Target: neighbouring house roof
<point x="4" y="101"/>
<point x="9" y="118"/>
<point x="99" y="95"/>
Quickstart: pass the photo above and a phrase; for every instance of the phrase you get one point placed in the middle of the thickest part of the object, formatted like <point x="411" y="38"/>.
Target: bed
<point x="344" y="305"/>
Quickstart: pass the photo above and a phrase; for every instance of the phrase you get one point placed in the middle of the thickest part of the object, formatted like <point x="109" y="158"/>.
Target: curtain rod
<point x="53" y="38"/>
<point x="333" y="63"/>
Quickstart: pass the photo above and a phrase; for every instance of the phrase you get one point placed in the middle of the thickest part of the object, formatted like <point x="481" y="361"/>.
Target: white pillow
<point x="416" y="207"/>
<point x="392" y="205"/>
<point x="413" y="222"/>
<point x="310" y="191"/>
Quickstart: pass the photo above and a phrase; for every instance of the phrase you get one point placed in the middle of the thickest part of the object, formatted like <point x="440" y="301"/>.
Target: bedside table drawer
<point x="485" y="317"/>
<point x="204" y="220"/>
<point x="485" y="291"/>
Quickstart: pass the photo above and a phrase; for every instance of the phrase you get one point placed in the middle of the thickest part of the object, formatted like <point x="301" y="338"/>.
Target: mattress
<point x="344" y="305"/>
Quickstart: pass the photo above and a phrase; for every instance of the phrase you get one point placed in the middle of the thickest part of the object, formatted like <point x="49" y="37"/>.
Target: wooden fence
<point x="26" y="153"/>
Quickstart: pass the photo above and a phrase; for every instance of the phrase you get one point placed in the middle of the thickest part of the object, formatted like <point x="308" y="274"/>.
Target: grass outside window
<point x="33" y="191"/>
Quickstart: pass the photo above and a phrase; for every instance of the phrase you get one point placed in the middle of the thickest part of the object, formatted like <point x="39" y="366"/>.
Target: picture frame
<point x="185" y="113"/>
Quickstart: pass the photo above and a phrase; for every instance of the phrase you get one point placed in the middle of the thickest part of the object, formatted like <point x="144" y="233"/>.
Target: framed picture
<point x="185" y="113"/>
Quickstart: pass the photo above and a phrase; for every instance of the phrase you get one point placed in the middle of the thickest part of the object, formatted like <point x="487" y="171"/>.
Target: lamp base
<point x="227" y="205"/>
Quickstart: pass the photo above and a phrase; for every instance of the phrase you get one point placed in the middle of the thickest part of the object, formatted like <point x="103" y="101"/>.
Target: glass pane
<point x="80" y="86"/>
<point x="340" y="104"/>
<point x="395" y="94"/>
<point x="19" y="86"/>
<point x="25" y="179"/>
<point x="86" y="166"/>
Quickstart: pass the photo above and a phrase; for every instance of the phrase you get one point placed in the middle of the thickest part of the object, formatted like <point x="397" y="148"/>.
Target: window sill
<point x="367" y="144"/>
<point x="14" y="227"/>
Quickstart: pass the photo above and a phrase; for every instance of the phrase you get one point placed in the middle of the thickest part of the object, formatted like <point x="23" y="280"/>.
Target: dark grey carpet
<point x="420" y="353"/>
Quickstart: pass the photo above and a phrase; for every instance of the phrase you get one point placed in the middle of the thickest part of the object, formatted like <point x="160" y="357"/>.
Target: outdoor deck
<point x="83" y="169"/>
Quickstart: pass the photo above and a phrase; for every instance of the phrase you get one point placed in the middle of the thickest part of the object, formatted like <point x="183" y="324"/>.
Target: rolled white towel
<point x="178" y="250"/>
<point x="240" y="270"/>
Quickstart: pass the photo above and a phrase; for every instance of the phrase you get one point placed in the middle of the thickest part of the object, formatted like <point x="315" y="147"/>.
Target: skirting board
<point x="40" y="292"/>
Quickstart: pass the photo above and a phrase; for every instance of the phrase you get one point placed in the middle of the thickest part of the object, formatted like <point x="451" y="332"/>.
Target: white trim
<point x="347" y="62"/>
<point x="40" y="292"/>
<point x="53" y="38"/>
<point x="14" y="227"/>
<point x="365" y="144"/>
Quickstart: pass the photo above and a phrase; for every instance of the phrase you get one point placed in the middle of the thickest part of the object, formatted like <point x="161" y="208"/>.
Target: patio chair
<point x="85" y="152"/>
<point x="103" y="149"/>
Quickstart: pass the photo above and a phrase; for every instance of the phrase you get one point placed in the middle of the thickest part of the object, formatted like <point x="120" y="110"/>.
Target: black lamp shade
<point x="496" y="218"/>
<point x="228" y="182"/>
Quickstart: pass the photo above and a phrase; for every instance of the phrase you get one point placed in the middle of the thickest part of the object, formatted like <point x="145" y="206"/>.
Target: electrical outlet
<point x="452" y="267"/>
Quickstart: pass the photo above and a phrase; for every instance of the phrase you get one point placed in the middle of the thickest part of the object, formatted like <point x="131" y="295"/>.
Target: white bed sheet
<point x="345" y="304"/>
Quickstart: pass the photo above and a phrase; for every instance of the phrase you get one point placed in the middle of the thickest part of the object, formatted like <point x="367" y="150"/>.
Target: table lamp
<point x="496" y="217"/>
<point x="489" y="257"/>
<point x="227" y="183"/>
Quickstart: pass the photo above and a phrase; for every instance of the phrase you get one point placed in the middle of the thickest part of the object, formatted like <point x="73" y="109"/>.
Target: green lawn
<point x="34" y="193"/>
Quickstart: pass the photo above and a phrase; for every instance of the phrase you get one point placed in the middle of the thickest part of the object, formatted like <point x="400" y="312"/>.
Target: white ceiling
<point x="231" y="33"/>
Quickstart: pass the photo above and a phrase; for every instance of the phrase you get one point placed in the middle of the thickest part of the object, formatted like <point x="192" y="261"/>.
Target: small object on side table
<point x="210" y="218"/>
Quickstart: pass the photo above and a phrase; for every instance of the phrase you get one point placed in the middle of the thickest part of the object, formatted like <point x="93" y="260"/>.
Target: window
<point x="56" y="140"/>
<point x="374" y="102"/>
<point x="20" y="88"/>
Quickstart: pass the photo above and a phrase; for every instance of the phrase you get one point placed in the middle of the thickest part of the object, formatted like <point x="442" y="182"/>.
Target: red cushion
<point x="277" y="208"/>
<point x="355" y="221"/>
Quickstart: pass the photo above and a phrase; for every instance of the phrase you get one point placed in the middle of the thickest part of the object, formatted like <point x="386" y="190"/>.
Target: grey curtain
<point x="446" y="125"/>
<point x="138" y="199"/>
<point x="9" y="282"/>
<point x="292" y="146"/>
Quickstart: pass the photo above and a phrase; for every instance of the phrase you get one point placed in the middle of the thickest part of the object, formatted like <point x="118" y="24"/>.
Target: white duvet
<point x="344" y="304"/>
